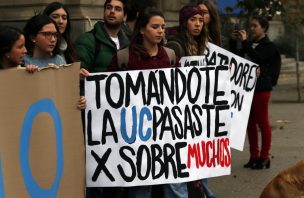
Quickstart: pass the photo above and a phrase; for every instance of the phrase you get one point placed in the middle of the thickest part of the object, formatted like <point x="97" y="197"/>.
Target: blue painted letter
<point x="123" y="129"/>
<point x="35" y="191"/>
<point x="144" y="111"/>
<point x="1" y="182"/>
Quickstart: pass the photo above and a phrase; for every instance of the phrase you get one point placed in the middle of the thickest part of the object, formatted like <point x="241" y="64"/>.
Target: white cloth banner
<point x="243" y="80"/>
<point x="157" y="126"/>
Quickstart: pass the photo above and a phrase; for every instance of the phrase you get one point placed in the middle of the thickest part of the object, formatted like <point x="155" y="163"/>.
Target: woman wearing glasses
<point x="42" y="42"/>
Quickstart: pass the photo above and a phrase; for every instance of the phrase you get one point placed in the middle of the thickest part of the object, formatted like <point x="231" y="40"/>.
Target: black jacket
<point x="266" y="55"/>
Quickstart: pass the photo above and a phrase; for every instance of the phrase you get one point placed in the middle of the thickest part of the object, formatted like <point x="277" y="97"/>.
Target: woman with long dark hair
<point x="12" y="47"/>
<point x="211" y="21"/>
<point x="192" y="37"/>
<point x="146" y="51"/>
<point x="60" y="14"/>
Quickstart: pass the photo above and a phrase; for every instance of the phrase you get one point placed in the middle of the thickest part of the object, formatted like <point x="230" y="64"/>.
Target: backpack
<point x="181" y="50"/>
<point x="123" y="57"/>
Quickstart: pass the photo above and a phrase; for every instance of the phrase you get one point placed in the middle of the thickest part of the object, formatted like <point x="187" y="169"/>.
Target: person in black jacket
<point x="263" y="52"/>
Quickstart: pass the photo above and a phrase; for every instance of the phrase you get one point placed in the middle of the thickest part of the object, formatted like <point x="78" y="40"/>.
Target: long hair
<point x="194" y="45"/>
<point x="214" y="26"/>
<point x="31" y="29"/>
<point x="8" y="37"/>
<point x="70" y="52"/>
<point x="143" y="19"/>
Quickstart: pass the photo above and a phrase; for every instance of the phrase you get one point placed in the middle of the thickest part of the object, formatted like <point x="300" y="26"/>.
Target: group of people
<point x="133" y="36"/>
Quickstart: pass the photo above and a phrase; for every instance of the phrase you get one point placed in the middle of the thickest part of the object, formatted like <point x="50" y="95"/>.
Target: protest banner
<point x="157" y="126"/>
<point x="243" y="80"/>
<point x="41" y="138"/>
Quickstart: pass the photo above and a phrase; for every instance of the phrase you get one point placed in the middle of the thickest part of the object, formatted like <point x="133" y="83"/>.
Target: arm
<point x="233" y="41"/>
<point x="82" y="100"/>
<point x="265" y="50"/>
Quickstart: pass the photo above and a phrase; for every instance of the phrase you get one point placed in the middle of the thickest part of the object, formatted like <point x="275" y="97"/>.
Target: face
<point x="256" y="29"/>
<point x="18" y="51"/>
<point x="46" y="39"/>
<point x="114" y="14"/>
<point x="206" y="14"/>
<point x="154" y="31"/>
<point x="61" y="18"/>
<point x="195" y="24"/>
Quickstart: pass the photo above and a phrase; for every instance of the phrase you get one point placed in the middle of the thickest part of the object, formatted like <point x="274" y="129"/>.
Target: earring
<point x="34" y="41"/>
<point x="7" y="56"/>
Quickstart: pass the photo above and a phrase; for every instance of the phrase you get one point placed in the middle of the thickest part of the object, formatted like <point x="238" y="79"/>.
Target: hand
<point x="235" y="35"/>
<point x="83" y="73"/>
<point x="82" y="103"/>
<point x="242" y="35"/>
<point x="31" y="68"/>
<point x="198" y="185"/>
<point x="258" y="72"/>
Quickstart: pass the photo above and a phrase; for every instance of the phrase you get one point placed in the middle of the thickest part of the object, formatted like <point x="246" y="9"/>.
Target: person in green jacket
<point x="96" y="48"/>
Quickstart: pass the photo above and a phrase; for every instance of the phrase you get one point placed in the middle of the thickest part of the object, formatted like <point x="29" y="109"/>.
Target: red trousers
<point x="259" y="117"/>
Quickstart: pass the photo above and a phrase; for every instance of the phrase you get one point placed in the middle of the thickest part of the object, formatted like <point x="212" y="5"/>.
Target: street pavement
<point x="287" y="121"/>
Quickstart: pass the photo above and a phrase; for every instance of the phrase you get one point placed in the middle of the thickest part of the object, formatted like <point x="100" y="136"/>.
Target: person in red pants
<point x="264" y="53"/>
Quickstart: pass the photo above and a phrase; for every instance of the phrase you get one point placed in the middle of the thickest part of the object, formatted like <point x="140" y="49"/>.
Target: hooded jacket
<point x="86" y="47"/>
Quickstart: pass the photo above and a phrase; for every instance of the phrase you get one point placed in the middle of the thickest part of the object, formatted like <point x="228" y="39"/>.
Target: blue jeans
<point x="178" y="190"/>
<point x="140" y="191"/>
<point x="207" y="191"/>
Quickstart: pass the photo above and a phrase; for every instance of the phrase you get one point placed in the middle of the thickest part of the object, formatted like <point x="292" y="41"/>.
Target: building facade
<point x="83" y="13"/>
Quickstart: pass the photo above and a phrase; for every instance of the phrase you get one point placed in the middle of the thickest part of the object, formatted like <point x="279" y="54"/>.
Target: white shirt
<point x="116" y="41"/>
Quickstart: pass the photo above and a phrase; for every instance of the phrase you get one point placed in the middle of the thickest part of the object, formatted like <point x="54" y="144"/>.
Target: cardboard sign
<point x="41" y="138"/>
<point x="157" y="126"/>
<point x="243" y="80"/>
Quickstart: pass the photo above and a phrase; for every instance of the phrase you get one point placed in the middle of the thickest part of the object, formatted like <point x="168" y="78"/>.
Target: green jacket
<point x="85" y="46"/>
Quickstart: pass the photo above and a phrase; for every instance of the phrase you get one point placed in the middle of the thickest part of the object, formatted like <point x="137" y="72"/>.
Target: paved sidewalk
<point x="287" y="120"/>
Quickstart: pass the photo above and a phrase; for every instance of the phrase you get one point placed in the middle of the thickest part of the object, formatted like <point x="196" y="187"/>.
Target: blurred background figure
<point x="59" y="13"/>
<point x="263" y="52"/>
<point x="134" y="8"/>
<point x="212" y="21"/>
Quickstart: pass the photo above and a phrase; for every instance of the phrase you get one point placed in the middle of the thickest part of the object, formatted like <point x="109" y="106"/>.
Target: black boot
<point x="262" y="163"/>
<point x="252" y="162"/>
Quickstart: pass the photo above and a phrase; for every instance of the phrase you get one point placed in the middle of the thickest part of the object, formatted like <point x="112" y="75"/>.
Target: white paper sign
<point x="157" y="126"/>
<point x="243" y="80"/>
